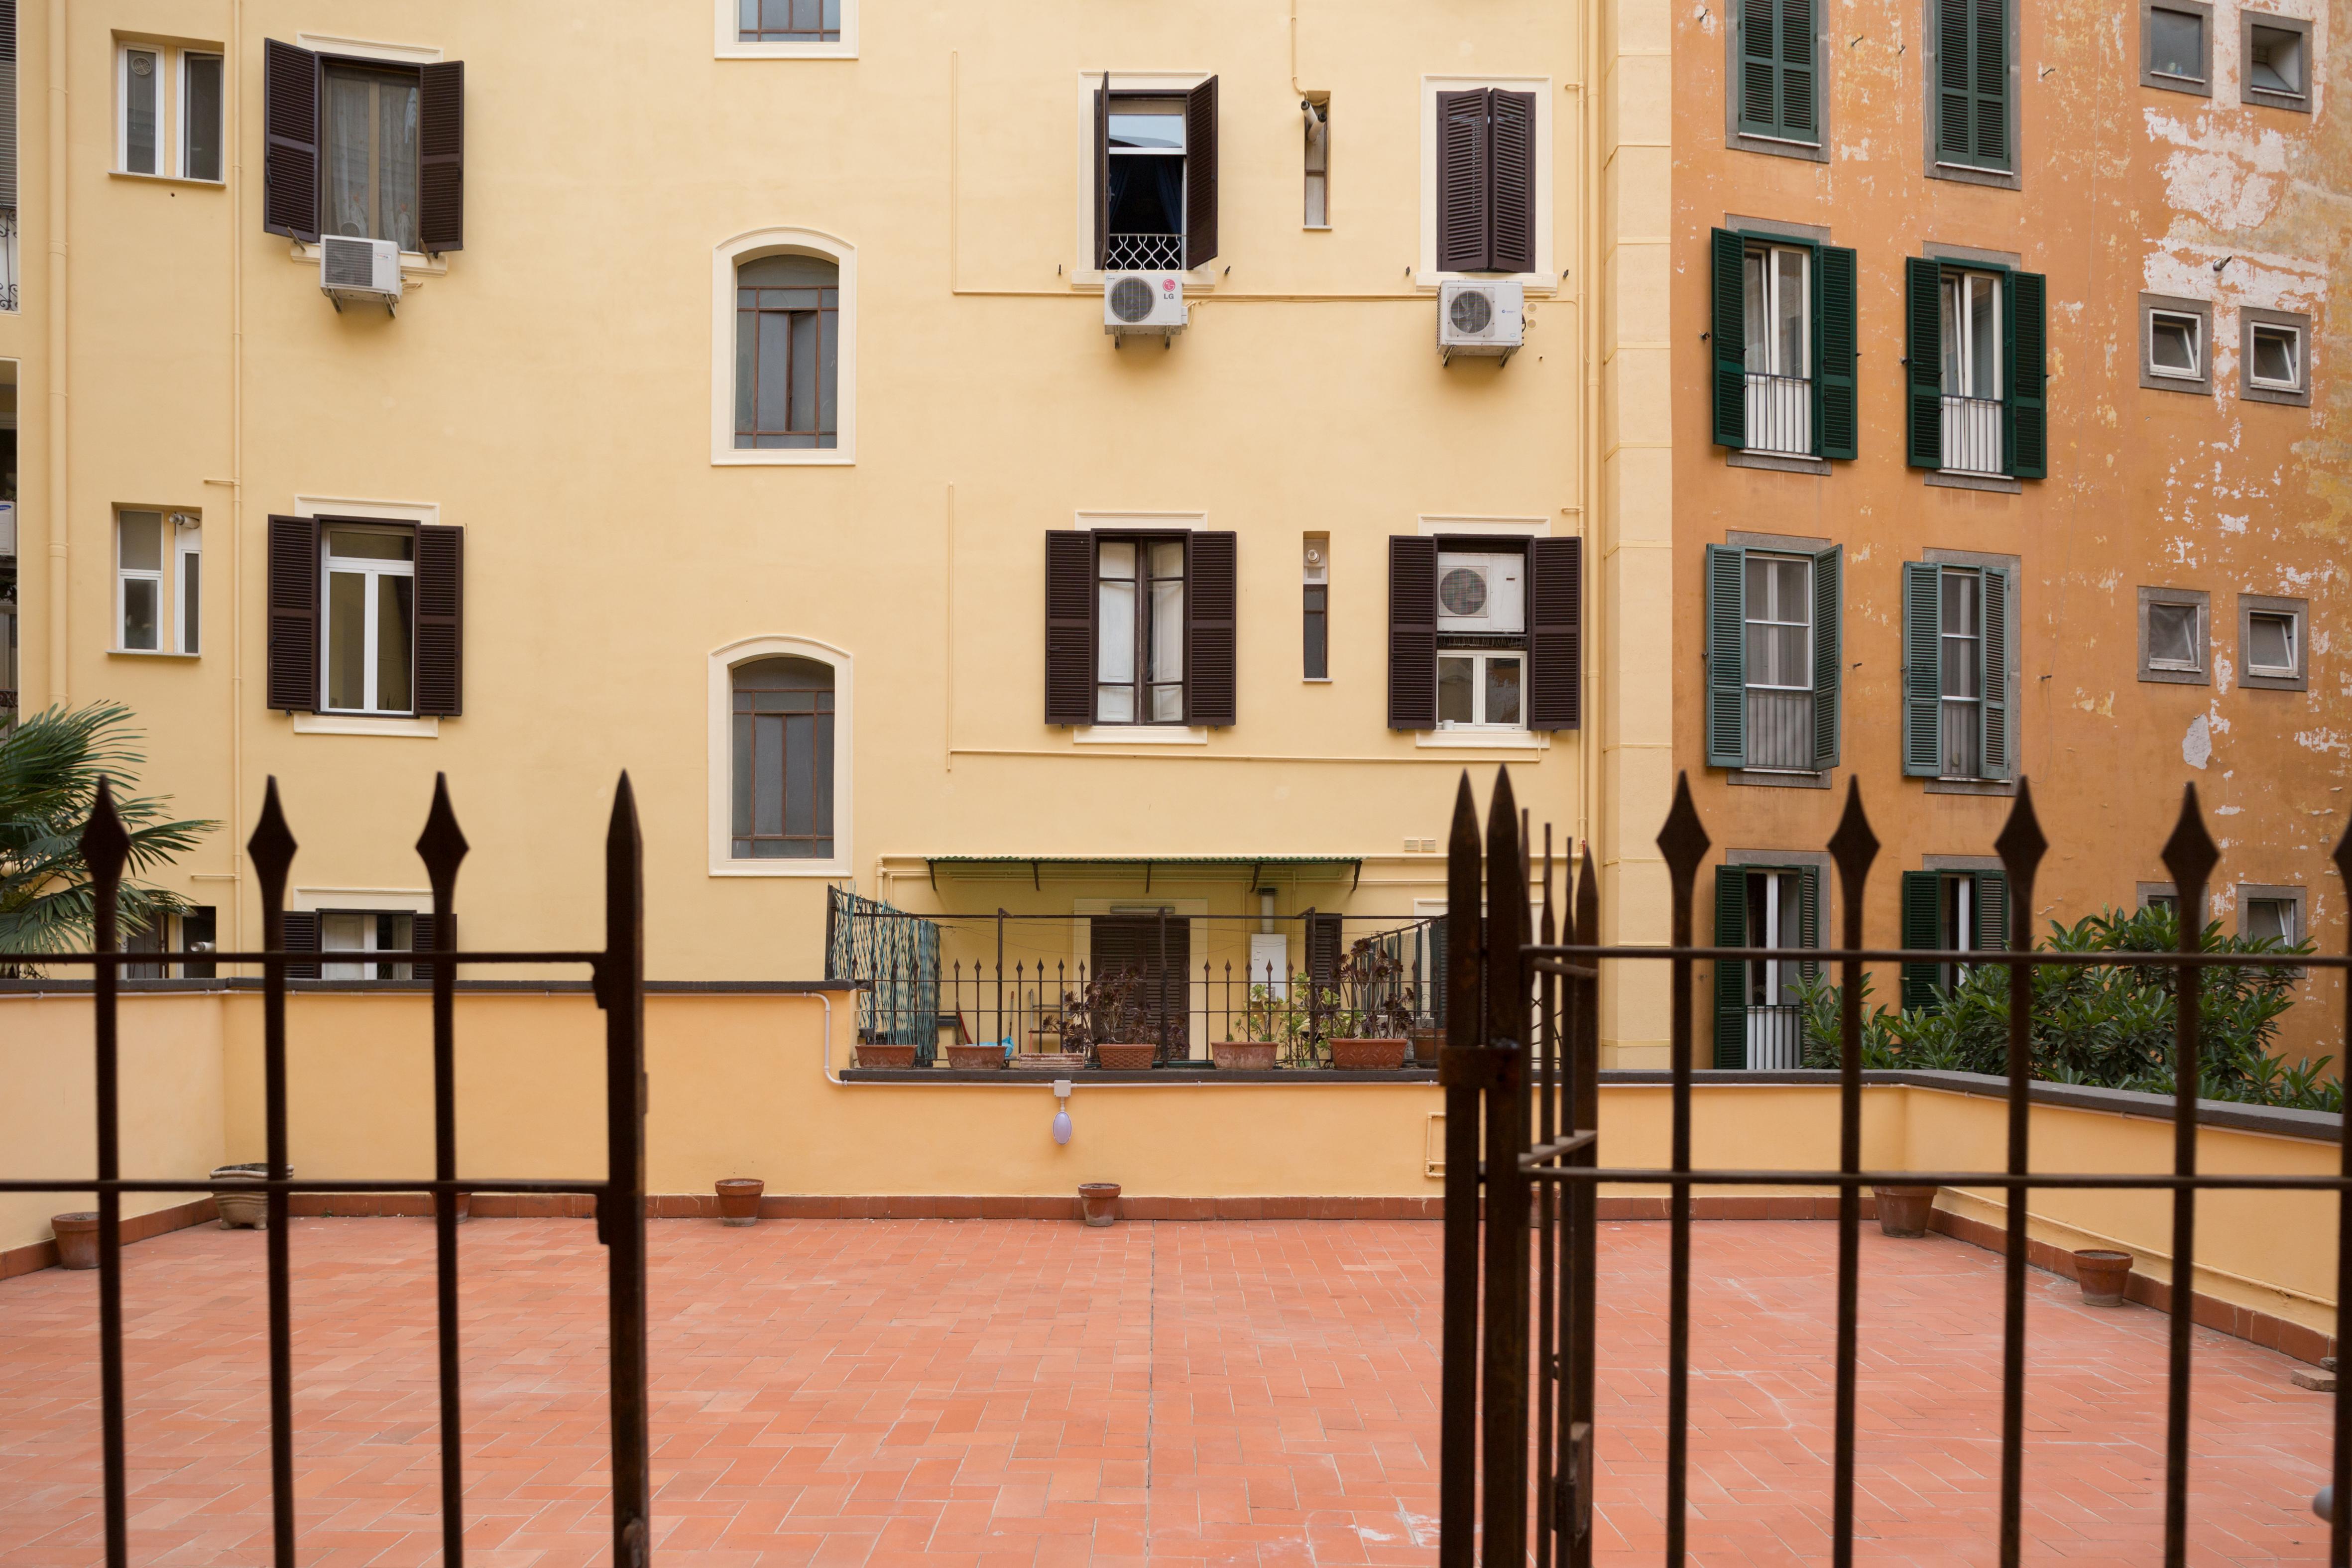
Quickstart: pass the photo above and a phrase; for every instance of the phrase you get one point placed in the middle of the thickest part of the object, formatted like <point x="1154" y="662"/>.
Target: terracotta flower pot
<point x="739" y="1199"/>
<point x="1368" y="1055"/>
<point x="1426" y="1044"/>
<point x="980" y="1059"/>
<point x="1098" y="1203"/>
<point x="2103" y="1275"/>
<point x="1064" y="1062"/>
<point x="1243" y="1056"/>
<point x="77" y="1238"/>
<point x="1903" y="1211"/>
<point x="243" y="1211"/>
<point x="872" y="1054"/>
<point x="1126" y="1057"/>
<point x="465" y="1206"/>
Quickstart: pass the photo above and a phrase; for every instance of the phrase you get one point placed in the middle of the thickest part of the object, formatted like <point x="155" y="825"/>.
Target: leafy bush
<point x="2105" y="1025"/>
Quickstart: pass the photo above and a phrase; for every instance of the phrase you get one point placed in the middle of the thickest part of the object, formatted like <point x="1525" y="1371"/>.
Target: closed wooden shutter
<point x="1993" y="650"/>
<point x="1200" y="173"/>
<point x="1210" y="593"/>
<point x="1972" y="83"/>
<point x="1836" y="418"/>
<point x="1727" y="333"/>
<point x="1326" y="946"/>
<point x="1730" y="973"/>
<point x="1777" y="69"/>
<point x="1158" y="953"/>
<point x="1511" y="197"/>
<point x="9" y="96"/>
<point x="1727" y="657"/>
<point x="1808" y="916"/>
<point x="1993" y="911"/>
<point x="1797" y="73"/>
<point x="440" y="620"/>
<point x="1102" y="173"/>
<point x="293" y="631"/>
<point x="1432" y="1001"/>
<point x="1555" y="634"/>
<point x="1922" y="676"/>
<point x="1069" y="627"/>
<point x="1829" y="652"/>
<point x="1462" y="182"/>
<point x="1412" y="632"/>
<point x="1923" y="894"/>
<point x="1923" y="363"/>
<point x="421" y="933"/>
<point x="2025" y="308"/>
<point x="289" y="141"/>
<point x="302" y="936"/>
<point x="441" y="156"/>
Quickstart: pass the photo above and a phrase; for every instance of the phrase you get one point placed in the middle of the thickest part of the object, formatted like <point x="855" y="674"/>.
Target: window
<point x="1480" y="689"/>
<point x="2271" y="642"/>
<point x="2177" y="46"/>
<point x="363" y="148"/>
<point x="363" y="931"/>
<point x="2277" y="61"/>
<point x="1758" y="1023"/>
<point x="1485" y="633"/>
<point x="1783" y="331"/>
<point x="1773" y="644"/>
<point x="1139" y="631"/>
<point x="370" y="155"/>
<point x="1971" y="336"/>
<point x="1155" y="178"/>
<point x="1318" y="608"/>
<point x="1959" y="670"/>
<point x="2172" y="635"/>
<point x="365" y="617"/>
<point x="1487" y="155"/>
<point x="368" y="619"/>
<point x="2273" y="356"/>
<point x="139" y="581"/>
<point x="187" y="931"/>
<point x="169" y="120"/>
<point x="2271" y="914"/>
<point x="1976" y="369"/>
<point x="1317" y="114"/>
<point x="787" y="352"/>
<point x="784" y="719"/>
<point x="1776" y="75"/>
<point x="1953" y="911"/>
<point x="2174" y="335"/>
<point x="790" y="22"/>
<point x="1778" y="294"/>
<point x="1971" y="124"/>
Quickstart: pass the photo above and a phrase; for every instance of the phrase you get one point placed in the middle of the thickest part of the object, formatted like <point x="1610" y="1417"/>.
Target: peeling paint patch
<point x="2104" y="705"/>
<point x="2322" y="741"/>
<point x="2230" y="177"/>
<point x="2197" y="745"/>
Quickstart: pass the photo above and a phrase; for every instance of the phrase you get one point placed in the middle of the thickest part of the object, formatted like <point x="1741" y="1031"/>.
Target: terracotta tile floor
<point x="1013" y="1392"/>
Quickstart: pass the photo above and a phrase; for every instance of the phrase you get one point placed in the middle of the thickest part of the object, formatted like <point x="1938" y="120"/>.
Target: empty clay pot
<point x="1131" y="1057"/>
<point x="1368" y="1055"/>
<point x="739" y="1199"/>
<point x="870" y="1054"/>
<point x="977" y="1059"/>
<point x="2103" y="1275"/>
<point x="243" y="1211"/>
<point x="1243" y="1056"/>
<point x="78" y="1239"/>
<point x="1904" y="1211"/>
<point x="1098" y="1203"/>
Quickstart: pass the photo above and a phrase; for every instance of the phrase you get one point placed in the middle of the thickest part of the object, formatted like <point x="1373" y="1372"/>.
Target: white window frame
<point x="725" y="257"/>
<point x="721" y="806"/>
<point x="371" y="943"/>
<point x="2294" y="334"/>
<point x="171" y="101"/>
<point x="1545" y="278"/>
<point x="371" y="568"/>
<point x="2195" y="324"/>
<point x="1959" y="277"/>
<point x="1480" y="658"/>
<point x="160" y="575"/>
<point x="419" y="727"/>
<point x="1804" y="665"/>
<point x="187" y="555"/>
<point x="727" y="42"/>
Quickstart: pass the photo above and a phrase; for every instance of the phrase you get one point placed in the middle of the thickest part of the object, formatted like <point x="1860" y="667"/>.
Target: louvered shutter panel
<point x="1555" y="634"/>
<point x="421" y="933"/>
<point x="441" y="156"/>
<point x="1808" y="916"/>
<point x="1727" y="657"/>
<point x="1759" y="67"/>
<point x="1102" y="173"/>
<point x="1992" y="651"/>
<point x="1922" y="931"/>
<point x="1829" y="653"/>
<point x="1412" y="632"/>
<point x="1730" y="973"/>
<point x="440" y="620"/>
<point x="1836" y="419"/>
<point x="8" y="103"/>
<point x="289" y="141"/>
<point x="2025" y="307"/>
<point x="1728" y="332"/>
<point x="1993" y="911"/>
<point x="1796" y="70"/>
<point x="1326" y="942"/>
<point x="1953" y="106"/>
<point x="1200" y="173"/>
<point x="293" y="633"/>
<point x="1923" y="363"/>
<point x="1433" y="1001"/>
<point x="1462" y="182"/>
<point x="1069" y="627"/>
<point x="1989" y="81"/>
<point x="1511" y="200"/>
<point x="1209" y="590"/>
<point x="302" y="936"/>
<point x="1923" y="680"/>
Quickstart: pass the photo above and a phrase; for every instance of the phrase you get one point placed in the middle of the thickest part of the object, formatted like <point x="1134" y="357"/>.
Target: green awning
<point x="1295" y="867"/>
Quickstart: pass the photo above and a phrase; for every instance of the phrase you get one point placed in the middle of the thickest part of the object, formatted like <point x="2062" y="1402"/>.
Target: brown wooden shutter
<point x="293" y="634"/>
<point x="1069" y="626"/>
<point x="1326" y="944"/>
<point x="1555" y="634"/>
<point x="1462" y="181"/>
<point x="302" y="936"/>
<point x="1102" y="173"/>
<point x="1511" y="196"/>
<point x="1412" y="632"/>
<point x="440" y="620"/>
<point x="9" y="96"/>
<point x="441" y="156"/>
<point x="1211" y="589"/>
<point x="289" y="141"/>
<point x="420" y="937"/>
<point x="1200" y="173"/>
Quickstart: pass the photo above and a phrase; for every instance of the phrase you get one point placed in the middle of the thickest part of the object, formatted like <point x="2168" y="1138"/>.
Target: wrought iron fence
<point x="1521" y="1069"/>
<point x="1972" y="434"/>
<point x="1143" y="253"/>
<point x="1779" y="415"/>
<point x="618" y="975"/>
<point x="8" y="263"/>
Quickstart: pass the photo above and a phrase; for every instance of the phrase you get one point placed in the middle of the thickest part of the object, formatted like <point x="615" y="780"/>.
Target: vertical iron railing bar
<point x="1458" y="1452"/>
<point x="1851" y="848"/>
<point x="1583" y="1207"/>
<point x="2020" y="847"/>
<point x="1504" y="1370"/>
<point x="271" y="848"/>
<point x="2191" y="856"/>
<point x="1684" y="842"/>
<point x="1547" y="1374"/>
<point x="442" y="847"/>
<point x="2339" y="1519"/>
<point x="621" y="991"/>
<point x="104" y="849"/>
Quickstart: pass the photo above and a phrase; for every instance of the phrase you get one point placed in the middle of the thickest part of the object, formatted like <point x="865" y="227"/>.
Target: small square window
<point x="2270" y="643"/>
<point x="2271" y="913"/>
<point x="2172" y="344"/>
<point x="168" y="111"/>
<point x="2276" y="352"/>
<point x="2275" y="52"/>
<point x="2177" y="46"/>
<point x="2174" y="332"/>
<point x="2274" y="365"/>
<point x="2173" y="635"/>
<point x="2272" y="637"/>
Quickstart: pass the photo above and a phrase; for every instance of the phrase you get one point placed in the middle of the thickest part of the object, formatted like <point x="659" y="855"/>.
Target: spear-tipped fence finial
<point x="442" y="846"/>
<point x="271" y="847"/>
<point x="1683" y="840"/>
<point x="105" y="844"/>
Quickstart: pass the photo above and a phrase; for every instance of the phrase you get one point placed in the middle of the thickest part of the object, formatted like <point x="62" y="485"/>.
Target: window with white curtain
<point x="368" y="154"/>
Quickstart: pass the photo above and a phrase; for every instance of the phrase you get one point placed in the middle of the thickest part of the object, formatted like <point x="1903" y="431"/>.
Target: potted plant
<point x="872" y="1053"/>
<point x="739" y="1199"/>
<point x="982" y="1055"/>
<point x="1103" y="1022"/>
<point x="77" y="1238"/>
<point x="1904" y="1211"/>
<point x="1265" y="1022"/>
<point x="1369" y="1031"/>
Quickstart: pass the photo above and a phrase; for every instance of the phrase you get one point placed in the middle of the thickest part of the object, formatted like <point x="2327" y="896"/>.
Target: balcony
<point x="1776" y="1039"/>
<point x="1144" y="253"/>
<point x="1972" y="435"/>
<point x="1780" y="730"/>
<point x="8" y="260"/>
<point x="1781" y="414"/>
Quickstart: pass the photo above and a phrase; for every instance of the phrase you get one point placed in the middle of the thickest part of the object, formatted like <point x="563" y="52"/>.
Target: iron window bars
<point x="1522" y="1048"/>
<point x="618" y="971"/>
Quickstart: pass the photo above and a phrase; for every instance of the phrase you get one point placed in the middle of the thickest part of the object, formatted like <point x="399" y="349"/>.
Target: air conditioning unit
<point x="1140" y="302"/>
<point x="360" y="269"/>
<point x="1487" y="318"/>
<point x="1482" y="593"/>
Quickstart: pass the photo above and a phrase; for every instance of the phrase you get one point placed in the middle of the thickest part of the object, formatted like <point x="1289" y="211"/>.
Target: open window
<point x="2275" y="358"/>
<point x="1975" y="341"/>
<point x="1758" y="1023"/>
<point x="1774" y="658"/>
<point x="2272" y="643"/>
<point x="1155" y="177"/>
<point x="1950" y="911"/>
<point x="1486" y="634"/>
<point x="351" y="936"/>
<point x="2175" y="343"/>
<point x="2274" y="62"/>
<point x="2175" y="636"/>
<point x="1783" y="335"/>
<point x="158" y="581"/>
<point x="366" y="617"/>
<point x="364" y="148"/>
<point x="1959" y="671"/>
<point x="1139" y="629"/>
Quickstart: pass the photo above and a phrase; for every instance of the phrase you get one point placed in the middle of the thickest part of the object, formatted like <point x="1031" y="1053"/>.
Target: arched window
<point x="787" y="352"/>
<point x="782" y="759"/>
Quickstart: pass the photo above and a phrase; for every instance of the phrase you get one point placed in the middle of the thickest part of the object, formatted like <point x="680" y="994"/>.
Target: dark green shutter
<point x="1730" y="340"/>
<point x="1993" y="911"/>
<point x="1836" y="423"/>
<point x="1972" y="83"/>
<point x="1829" y="652"/>
<point x="1809" y="914"/>
<point x="1797" y="76"/>
<point x="1923" y="361"/>
<point x="1730" y="973"/>
<point x="2025" y="421"/>
<point x="1727" y="657"/>
<point x="1992" y="654"/>
<point x="1923" y="683"/>
<point x="1759" y="67"/>
<point x="1921" y="930"/>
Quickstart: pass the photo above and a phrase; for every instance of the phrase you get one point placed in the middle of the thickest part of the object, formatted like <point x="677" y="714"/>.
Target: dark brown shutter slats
<point x="1511" y="158"/>
<point x="1069" y="626"/>
<point x="441" y="156"/>
<point x="1326" y="947"/>
<point x="1211" y="589"/>
<point x="8" y="103"/>
<point x="289" y="141"/>
<point x="1200" y="173"/>
<point x="293" y="634"/>
<point x="1555" y="634"/>
<point x="302" y="936"/>
<point x="420" y="937"/>
<point x="1412" y="632"/>
<point x="440" y="620"/>
<point x="1102" y="173"/>
<point x="1462" y="181"/>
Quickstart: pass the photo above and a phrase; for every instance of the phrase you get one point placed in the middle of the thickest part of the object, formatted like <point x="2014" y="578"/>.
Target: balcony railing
<point x="1144" y="253"/>
<point x="1780" y="730"/>
<point x="1962" y="735"/>
<point x="1775" y="1038"/>
<point x="8" y="259"/>
<point x="1779" y="415"/>
<point x="1972" y="434"/>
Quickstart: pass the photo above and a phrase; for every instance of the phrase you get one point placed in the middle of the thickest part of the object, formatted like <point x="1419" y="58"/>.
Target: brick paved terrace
<point x="1029" y="1393"/>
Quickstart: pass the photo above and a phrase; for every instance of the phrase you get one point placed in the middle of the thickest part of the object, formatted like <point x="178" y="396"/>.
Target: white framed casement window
<point x="2174" y="631"/>
<point x="187" y="584"/>
<point x="367" y="620"/>
<point x="363" y="931"/>
<point x="783" y="350"/>
<point x="1317" y="114"/>
<point x="786" y="29"/>
<point x="1482" y="688"/>
<point x="781" y="716"/>
<point x="168" y="111"/>
<point x="1778" y="663"/>
<point x="2175" y="343"/>
<point x="2273" y="654"/>
<point x="1972" y="372"/>
<point x="138" y="579"/>
<point x="2275" y="358"/>
<point x="1777" y="283"/>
